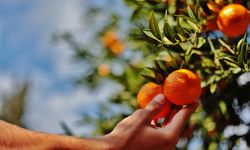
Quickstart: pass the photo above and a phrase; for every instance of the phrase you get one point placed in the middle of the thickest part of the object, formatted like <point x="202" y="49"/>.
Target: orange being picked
<point x="147" y="93"/>
<point x="182" y="87"/>
<point x="233" y="20"/>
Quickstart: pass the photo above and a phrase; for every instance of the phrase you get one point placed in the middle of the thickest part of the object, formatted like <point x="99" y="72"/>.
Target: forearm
<point x="13" y="137"/>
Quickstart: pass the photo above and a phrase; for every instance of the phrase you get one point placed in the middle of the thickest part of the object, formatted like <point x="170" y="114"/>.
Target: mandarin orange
<point x="147" y="93"/>
<point x="233" y="20"/>
<point x="182" y="87"/>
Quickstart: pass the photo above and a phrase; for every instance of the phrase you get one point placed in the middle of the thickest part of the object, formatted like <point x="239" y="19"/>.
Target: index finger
<point x="177" y="123"/>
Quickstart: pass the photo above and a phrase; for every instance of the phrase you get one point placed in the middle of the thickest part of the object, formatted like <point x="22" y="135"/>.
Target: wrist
<point x="114" y="141"/>
<point x="101" y="143"/>
<point x="108" y="142"/>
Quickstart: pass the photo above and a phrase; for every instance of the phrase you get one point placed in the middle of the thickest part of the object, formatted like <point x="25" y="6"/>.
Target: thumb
<point x="155" y="106"/>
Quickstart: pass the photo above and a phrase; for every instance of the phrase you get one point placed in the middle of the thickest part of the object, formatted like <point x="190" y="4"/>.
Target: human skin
<point x="133" y="133"/>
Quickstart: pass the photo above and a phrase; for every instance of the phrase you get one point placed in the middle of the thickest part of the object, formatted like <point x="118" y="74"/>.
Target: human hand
<point x="137" y="133"/>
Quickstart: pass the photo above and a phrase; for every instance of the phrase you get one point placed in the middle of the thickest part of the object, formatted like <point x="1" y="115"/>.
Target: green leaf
<point x="224" y="56"/>
<point x="223" y="107"/>
<point x="193" y="26"/>
<point x="168" y="32"/>
<point x="149" y="78"/>
<point x="153" y="25"/>
<point x="159" y="68"/>
<point x="200" y="42"/>
<point x="135" y="13"/>
<point x="149" y="37"/>
<point x="186" y="18"/>
<point x="179" y="27"/>
<point x="192" y="16"/>
<point x="207" y="62"/>
<point x="182" y="38"/>
<point x="216" y="59"/>
<point x="226" y="46"/>
<point x="212" y="87"/>
<point x="133" y="2"/>
<point x="166" y="41"/>
<point x="242" y="50"/>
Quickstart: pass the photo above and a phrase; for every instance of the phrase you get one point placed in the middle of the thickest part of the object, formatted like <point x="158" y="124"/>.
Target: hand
<point x="137" y="133"/>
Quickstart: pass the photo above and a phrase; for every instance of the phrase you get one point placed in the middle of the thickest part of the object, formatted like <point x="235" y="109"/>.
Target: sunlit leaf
<point x="153" y="25"/>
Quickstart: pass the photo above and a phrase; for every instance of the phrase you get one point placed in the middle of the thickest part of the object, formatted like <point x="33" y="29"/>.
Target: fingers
<point x="177" y="123"/>
<point x="155" y="106"/>
<point x="145" y="116"/>
<point x="172" y="113"/>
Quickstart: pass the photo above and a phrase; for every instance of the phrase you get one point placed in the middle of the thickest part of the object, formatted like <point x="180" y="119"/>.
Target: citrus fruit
<point x="182" y="87"/>
<point x="109" y="38"/>
<point x="117" y="47"/>
<point x="147" y="93"/>
<point x="233" y="20"/>
<point x="111" y="41"/>
<point x="103" y="70"/>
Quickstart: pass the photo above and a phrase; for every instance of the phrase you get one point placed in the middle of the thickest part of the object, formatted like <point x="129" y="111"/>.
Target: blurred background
<point x="75" y="66"/>
<point x="43" y="71"/>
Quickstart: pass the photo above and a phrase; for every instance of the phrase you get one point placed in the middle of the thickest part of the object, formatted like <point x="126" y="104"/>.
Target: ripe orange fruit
<point x="233" y="20"/>
<point x="182" y="87"/>
<point x="147" y="93"/>
<point x="103" y="70"/>
<point x="110" y="41"/>
<point x="109" y="38"/>
<point x="117" y="47"/>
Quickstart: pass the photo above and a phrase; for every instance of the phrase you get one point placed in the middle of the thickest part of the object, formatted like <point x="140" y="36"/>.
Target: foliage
<point x="170" y="35"/>
<point x="13" y="106"/>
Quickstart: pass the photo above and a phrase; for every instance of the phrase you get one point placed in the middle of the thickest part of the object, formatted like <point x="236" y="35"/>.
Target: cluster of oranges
<point x="181" y="87"/>
<point x="232" y="19"/>
<point x="111" y="41"/>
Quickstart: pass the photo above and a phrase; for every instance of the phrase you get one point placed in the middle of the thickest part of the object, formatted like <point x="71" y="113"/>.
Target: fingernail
<point x="160" y="98"/>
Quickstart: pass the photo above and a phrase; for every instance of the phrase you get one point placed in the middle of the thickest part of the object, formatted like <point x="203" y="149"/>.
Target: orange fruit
<point x="110" y="41"/>
<point x="233" y="20"/>
<point x="103" y="70"/>
<point x="109" y="38"/>
<point x="147" y="93"/>
<point x="117" y="47"/>
<point x="182" y="87"/>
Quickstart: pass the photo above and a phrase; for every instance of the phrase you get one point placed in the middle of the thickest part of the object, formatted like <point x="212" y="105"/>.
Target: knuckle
<point x="153" y="106"/>
<point x="139" y="112"/>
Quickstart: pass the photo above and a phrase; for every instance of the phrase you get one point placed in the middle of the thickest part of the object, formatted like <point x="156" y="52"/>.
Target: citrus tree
<point x="206" y="37"/>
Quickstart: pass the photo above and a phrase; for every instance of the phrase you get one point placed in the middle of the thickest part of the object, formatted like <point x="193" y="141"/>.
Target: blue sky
<point x="28" y="53"/>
